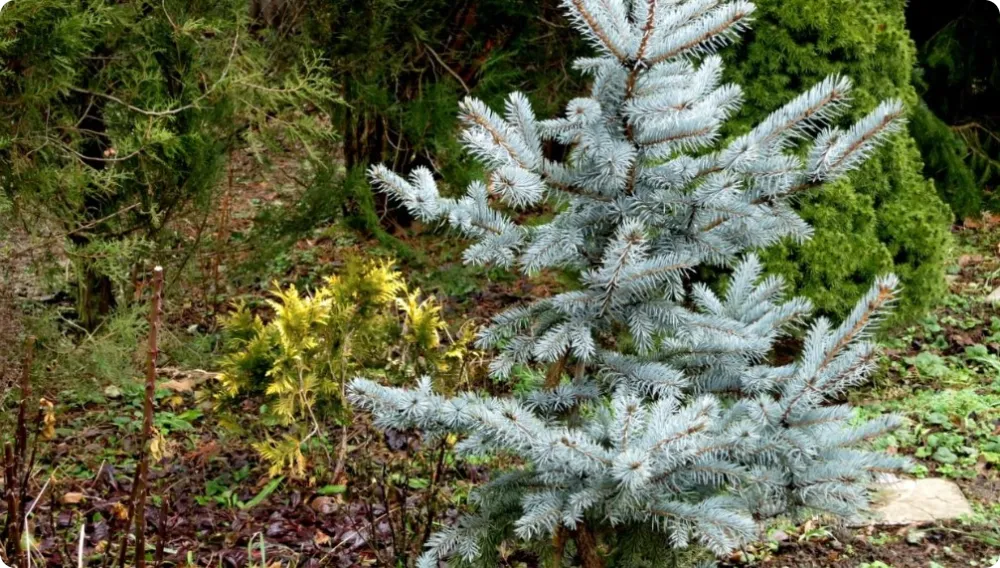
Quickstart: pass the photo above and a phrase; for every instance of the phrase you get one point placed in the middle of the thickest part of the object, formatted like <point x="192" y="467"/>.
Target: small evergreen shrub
<point x="662" y="422"/>
<point x="362" y="320"/>
<point x="886" y="216"/>
<point x="119" y="116"/>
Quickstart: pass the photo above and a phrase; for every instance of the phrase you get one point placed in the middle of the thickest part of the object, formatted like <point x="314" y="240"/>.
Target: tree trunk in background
<point x="275" y="14"/>
<point x="367" y="138"/>
<point x="393" y="63"/>
<point x="364" y="135"/>
<point x="586" y="547"/>
<point x="95" y="294"/>
<point x="95" y="297"/>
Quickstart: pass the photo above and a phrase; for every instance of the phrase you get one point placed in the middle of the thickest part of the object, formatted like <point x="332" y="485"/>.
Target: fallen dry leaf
<point x="48" y="419"/>
<point x="962" y="339"/>
<point x="72" y="498"/>
<point x="969" y="259"/>
<point x="204" y="453"/>
<point x="119" y="511"/>
<point x="324" y="505"/>
<point x="179" y="385"/>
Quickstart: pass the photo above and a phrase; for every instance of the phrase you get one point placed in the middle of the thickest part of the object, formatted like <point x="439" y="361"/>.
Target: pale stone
<point x="994" y="297"/>
<point x="918" y="501"/>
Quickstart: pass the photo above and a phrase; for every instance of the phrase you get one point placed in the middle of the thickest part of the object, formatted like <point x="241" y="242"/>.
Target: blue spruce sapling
<point x="663" y="420"/>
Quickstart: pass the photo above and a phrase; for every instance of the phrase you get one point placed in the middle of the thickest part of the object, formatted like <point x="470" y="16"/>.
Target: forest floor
<point x="213" y="504"/>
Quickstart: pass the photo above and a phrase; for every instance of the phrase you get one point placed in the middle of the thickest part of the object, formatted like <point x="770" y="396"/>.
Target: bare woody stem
<point x="137" y="499"/>
<point x="555" y="372"/>
<point x="436" y="480"/>
<point x="558" y="546"/>
<point x="17" y="466"/>
<point x="587" y="547"/>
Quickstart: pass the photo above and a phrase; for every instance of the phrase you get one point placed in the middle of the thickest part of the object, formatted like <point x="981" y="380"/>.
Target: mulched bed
<point x="296" y="524"/>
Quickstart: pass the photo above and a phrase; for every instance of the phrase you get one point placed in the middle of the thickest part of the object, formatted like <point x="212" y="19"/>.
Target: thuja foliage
<point x="663" y="421"/>
<point x="361" y="320"/>
<point x="119" y="115"/>
<point x="884" y="216"/>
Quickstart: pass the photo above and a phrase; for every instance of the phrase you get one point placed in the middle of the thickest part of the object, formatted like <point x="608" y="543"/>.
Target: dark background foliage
<point x="959" y="79"/>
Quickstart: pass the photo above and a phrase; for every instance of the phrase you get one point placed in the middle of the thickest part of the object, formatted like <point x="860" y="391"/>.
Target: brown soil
<point x="950" y="546"/>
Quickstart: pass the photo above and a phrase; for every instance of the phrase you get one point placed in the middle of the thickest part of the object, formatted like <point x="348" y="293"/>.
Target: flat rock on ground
<point x="994" y="297"/>
<point x="918" y="501"/>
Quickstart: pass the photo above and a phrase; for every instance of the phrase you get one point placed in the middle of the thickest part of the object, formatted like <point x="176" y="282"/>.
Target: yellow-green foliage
<point x="361" y="321"/>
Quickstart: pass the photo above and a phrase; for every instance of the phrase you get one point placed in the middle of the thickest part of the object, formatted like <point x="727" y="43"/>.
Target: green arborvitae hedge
<point x="886" y="216"/>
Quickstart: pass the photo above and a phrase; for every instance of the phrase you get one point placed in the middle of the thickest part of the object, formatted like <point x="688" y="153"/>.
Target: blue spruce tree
<point x="662" y="422"/>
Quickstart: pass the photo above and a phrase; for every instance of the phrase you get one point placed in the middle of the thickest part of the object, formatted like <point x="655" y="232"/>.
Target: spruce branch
<point x="580" y="12"/>
<point x="737" y="17"/>
<point x="647" y="34"/>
